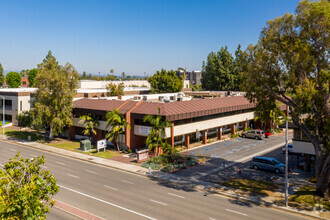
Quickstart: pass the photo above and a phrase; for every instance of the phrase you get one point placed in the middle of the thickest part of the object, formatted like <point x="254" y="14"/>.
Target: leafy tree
<point x="157" y="132"/>
<point x="24" y="72"/>
<point x="114" y="89"/>
<point x="53" y="100"/>
<point x="117" y="124"/>
<point x="111" y="77"/>
<point x="24" y="119"/>
<point x="26" y="190"/>
<point x="32" y="77"/>
<point x="2" y="77"/>
<point x="13" y="79"/>
<point x="291" y="63"/>
<point x="84" y="75"/>
<point x="123" y="74"/>
<point x="165" y="81"/>
<point x="111" y="71"/>
<point x="89" y="123"/>
<point x="220" y="72"/>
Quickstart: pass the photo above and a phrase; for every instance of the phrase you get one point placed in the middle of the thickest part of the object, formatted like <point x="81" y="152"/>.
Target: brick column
<point x="128" y="131"/>
<point x="172" y="134"/>
<point x="71" y="132"/>
<point x="187" y="140"/>
<point x="244" y="125"/>
<point x="233" y="129"/>
<point x="219" y="133"/>
<point x="204" y="137"/>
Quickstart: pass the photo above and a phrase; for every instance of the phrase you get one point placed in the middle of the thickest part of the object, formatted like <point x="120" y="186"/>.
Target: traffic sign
<point x="3" y="122"/>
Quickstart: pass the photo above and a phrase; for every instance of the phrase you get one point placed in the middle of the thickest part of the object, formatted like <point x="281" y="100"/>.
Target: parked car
<point x="289" y="148"/>
<point x="267" y="134"/>
<point x="267" y="163"/>
<point x="256" y="134"/>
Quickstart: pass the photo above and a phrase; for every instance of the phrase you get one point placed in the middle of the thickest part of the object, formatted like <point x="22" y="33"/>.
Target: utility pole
<point x="286" y="162"/>
<point x="3" y="116"/>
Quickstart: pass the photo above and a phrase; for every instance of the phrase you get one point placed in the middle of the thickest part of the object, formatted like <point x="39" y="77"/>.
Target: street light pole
<point x="286" y="163"/>
<point x="3" y="116"/>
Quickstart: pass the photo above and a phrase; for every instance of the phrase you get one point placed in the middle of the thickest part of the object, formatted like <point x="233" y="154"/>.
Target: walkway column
<point x="187" y="140"/>
<point x="219" y="133"/>
<point x="204" y="137"/>
<point x="244" y="125"/>
<point x="233" y="129"/>
<point x="172" y="134"/>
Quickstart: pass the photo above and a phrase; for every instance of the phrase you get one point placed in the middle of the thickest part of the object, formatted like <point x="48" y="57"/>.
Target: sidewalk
<point x="194" y="181"/>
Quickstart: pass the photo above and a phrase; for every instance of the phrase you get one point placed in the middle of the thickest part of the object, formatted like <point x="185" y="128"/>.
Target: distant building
<point x="25" y="82"/>
<point x="193" y="77"/>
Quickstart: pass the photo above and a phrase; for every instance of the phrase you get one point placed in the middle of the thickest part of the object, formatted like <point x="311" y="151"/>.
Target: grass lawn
<point x="22" y="134"/>
<point x="254" y="186"/>
<point x="75" y="145"/>
<point x="7" y="122"/>
<point x="305" y="195"/>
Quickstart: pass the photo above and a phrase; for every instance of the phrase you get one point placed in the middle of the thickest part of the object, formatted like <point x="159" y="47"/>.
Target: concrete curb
<point x="75" y="211"/>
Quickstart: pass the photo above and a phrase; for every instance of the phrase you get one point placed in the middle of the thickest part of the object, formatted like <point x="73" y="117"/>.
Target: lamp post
<point x="3" y="116"/>
<point x="286" y="162"/>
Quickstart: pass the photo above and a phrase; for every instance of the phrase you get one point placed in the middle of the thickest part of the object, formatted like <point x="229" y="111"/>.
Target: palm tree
<point x="117" y="124"/>
<point x="89" y="123"/>
<point x="157" y="131"/>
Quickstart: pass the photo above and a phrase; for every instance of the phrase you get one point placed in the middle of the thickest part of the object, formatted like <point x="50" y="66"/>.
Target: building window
<point x="24" y="83"/>
<point x="20" y="105"/>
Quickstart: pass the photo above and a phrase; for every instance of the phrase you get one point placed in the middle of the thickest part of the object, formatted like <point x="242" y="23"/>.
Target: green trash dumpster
<point x="85" y="145"/>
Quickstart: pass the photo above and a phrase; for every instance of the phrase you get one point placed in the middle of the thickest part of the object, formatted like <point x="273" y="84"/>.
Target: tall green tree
<point x="13" y="79"/>
<point x="53" y="100"/>
<point x="90" y="123"/>
<point x="156" y="137"/>
<point x="32" y="77"/>
<point x="116" y="124"/>
<point x="165" y="81"/>
<point x="114" y="89"/>
<point x="291" y="63"/>
<point x="2" y="77"/>
<point x="26" y="190"/>
<point x="24" y="73"/>
<point x="219" y="72"/>
<point x="84" y="75"/>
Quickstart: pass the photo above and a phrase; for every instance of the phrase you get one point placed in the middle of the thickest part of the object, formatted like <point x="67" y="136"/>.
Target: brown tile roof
<point x="194" y="108"/>
<point x="104" y="105"/>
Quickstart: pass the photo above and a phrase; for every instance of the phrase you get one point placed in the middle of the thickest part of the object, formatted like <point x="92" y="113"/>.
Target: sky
<point x="131" y="36"/>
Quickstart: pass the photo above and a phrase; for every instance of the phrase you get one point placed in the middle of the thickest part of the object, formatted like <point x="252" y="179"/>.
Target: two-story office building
<point x="193" y="120"/>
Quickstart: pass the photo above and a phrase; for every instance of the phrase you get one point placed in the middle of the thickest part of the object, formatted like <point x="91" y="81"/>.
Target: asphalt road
<point x="114" y="194"/>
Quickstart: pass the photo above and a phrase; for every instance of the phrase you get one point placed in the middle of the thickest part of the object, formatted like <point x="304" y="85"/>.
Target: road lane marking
<point x="127" y="182"/>
<point x="91" y="171"/>
<point x="60" y="163"/>
<point x="110" y="187"/>
<point x="109" y="203"/>
<point x="229" y="210"/>
<point x="12" y="149"/>
<point x="73" y="176"/>
<point x="175" y="195"/>
<point x="33" y="155"/>
<point x="43" y="167"/>
<point x="212" y="218"/>
<point x="158" y="202"/>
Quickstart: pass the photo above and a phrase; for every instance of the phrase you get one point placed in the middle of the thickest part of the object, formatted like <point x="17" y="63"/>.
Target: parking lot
<point x="237" y="148"/>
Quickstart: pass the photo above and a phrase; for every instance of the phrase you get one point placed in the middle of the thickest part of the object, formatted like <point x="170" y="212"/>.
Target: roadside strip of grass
<point x="254" y="186"/>
<point x="22" y="134"/>
<point x="306" y="195"/>
<point x="75" y="145"/>
<point x="68" y="145"/>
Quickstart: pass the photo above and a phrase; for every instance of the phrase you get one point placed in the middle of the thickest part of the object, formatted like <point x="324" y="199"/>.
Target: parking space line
<point x="60" y="163"/>
<point x="127" y="182"/>
<point x="12" y="149"/>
